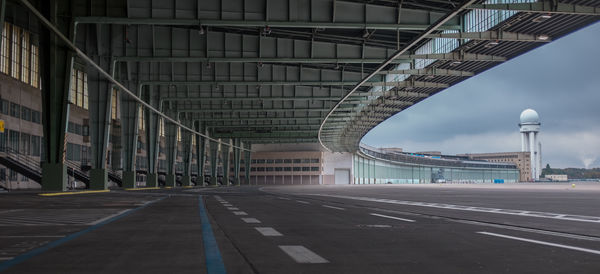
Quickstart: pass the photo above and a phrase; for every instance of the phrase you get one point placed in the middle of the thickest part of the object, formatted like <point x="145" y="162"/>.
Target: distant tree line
<point x="573" y="173"/>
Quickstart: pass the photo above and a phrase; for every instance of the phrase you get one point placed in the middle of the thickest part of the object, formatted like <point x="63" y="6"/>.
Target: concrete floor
<point x="306" y="229"/>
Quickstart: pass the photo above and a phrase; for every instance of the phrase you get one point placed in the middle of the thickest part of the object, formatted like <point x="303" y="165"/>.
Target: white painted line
<point x="334" y="207"/>
<point x="109" y="216"/>
<point x="6" y="258"/>
<point x="283" y="198"/>
<point x="302" y="202"/>
<point x="268" y="231"/>
<point x="233" y="208"/>
<point x="251" y="220"/>
<point x="392" y="217"/>
<point x="531" y="230"/>
<point x="240" y="213"/>
<point x="227" y="204"/>
<point x="302" y="255"/>
<point x="593" y="251"/>
<point x="537" y="214"/>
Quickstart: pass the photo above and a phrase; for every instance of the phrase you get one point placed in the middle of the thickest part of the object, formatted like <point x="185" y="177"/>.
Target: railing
<point x="24" y="159"/>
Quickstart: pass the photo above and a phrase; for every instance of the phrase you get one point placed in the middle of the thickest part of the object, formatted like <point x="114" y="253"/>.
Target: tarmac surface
<point x="511" y="228"/>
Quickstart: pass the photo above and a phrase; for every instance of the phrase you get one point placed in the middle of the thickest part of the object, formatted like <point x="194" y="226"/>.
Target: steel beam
<point x="225" y="152"/>
<point x="254" y="23"/>
<point x="430" y="72"/>
<point x="200" y="152"/>
<point x="194" y="59"/>
<point x="236" y="161"/>
<point x="171" y="147"/>
<point x="129" y="137"/>
<point x="214" y="161"/>
<point x="545" y="7"/>
<point x="247" y="155"/>
<point x="494" y="36"/>
<point x="186" y="137"/>
<point x="151" y="96"/>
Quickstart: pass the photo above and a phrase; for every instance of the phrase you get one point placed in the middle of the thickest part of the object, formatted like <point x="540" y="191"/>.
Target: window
<point x="314" y="161"/>
<point x="79" y="89"/>
<point x="297" y="161"/>
<point x="4" y="107"/>
<point x="35" y="145"/>
<point x="278" y="169"/>
<point x="26" y="114"/>
<point x="35" y="63"/>
<point x="260" y="161"/>
<point x="269" y="168"/>
<point x="73" y="93"/>
<point x="305" y="161"/>
<point x="35" y="117"/>
<point x="297" y="168"/>
<point x="4" y="53"/>
<point x="14" y="140"/>
<point x="270" y="161"/>
<point x="12" y="175"/>
<point x="14" y="110"/>
<point x="161" y="127"/>
<point x="16" y="48"/>
<point x="25" y="57"/>
<point x="141" y="118"/>
<point x="314" y="168"/>
<point x="287" y="161"/>
<point x="287" y="168"/>
<point x="178" y="134"/>
<point x="278" y="161"/>
<point x="260" y="169"/>
<point x="113" y="105"/>
<point x="305" y="168"/>
<point x="25" y="139"/>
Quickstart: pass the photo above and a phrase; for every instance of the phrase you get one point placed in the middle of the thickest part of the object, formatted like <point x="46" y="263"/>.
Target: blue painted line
<point x="25" y="256"/>
<point x="214" y="261"/>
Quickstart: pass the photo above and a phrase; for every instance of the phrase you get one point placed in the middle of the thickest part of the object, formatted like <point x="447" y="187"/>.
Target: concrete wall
<point x="332" y="161"/>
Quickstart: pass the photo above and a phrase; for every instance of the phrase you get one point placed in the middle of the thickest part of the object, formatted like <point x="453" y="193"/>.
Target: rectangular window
<point x="85" y="92"/>
<point x="35" y="117"/>
<point x="80" y="88"/>
<point x="35" y="66"/>
<point x="4" y="108"/>
<point x="278" y="169"/>
<point x="16" y="52"/>
<point x="305" y="168"/>
<point x="25" y="139"/>
<point x="278" y="161"/>
<point x="25" y="57"/>
<point x="314" y="168"/>
<point x="269" y="169"/>
<point x="4" y="53"/>
<point x="26" y="114"/>
<point x="35" y="145"/>
<point x="113" y="105"/>
<point x="178" y="134"/>
<point x="14" y="110"/>
<point x="297" y="161"/>
<point x="12" y="175"/>
<point x="161" y="127"/>
<point x="14" y="140"/>
<point x="287" y="161"/>
<point x="287" y="168"/>
<point x="297" y="168"/>
<point x="73" y="93"/>
<point x="270" y="161"/>
<point x="141" y="119"/>
<point x="314" y="161"/>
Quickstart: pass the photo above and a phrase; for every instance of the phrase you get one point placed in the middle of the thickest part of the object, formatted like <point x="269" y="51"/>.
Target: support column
<point x="523" y="141"/>
<point x="55" y="66"/>
<point x="236" y="161"/>
<point x="532" y="154"/>
<point x="214" y="160"/>
<point x="171" y="146"/>
<point x="225" y="151"/>
<point x="186" y="137"/>
<point x="200" y="153"/>
<point x="247" y="154"/>
<point x="100" y="106"/>
<point x="129" y="132"/>
<point x="151" y="96"/>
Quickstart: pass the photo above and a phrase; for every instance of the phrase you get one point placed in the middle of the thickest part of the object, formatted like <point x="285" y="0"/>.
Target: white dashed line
<point x="302" y="202"/>
<point x="268" y="231"/>
<point x="334" y="207"/>
<point x="283" y="198"/>
<point x="6" y="258"/>
<point x="593" y="251"/>
<point x="302" y="255"/>
<point x="233" y="208"/>
<point x="227" y="205"/>
<point x="240" y="213"/>
<point x="251" y="220"/>
<point x="392" y="217"/>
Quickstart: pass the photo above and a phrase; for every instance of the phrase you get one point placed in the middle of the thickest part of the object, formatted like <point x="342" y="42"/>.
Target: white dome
<point x="530" y="116"/>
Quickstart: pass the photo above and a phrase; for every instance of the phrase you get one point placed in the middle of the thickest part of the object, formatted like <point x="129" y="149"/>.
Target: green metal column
<point x="236" y="161"/>
<point x="214" y="161"/>
<point x="171" y="146"/>
<point x="56" y="62"/>
<point x="129" y="139"/>
<point x="186" y="137"/>
<point x="247" y="146"/>
<point x="151" y="96"/>
<point x="200" y="153"/>
<point x="225" y="151"/>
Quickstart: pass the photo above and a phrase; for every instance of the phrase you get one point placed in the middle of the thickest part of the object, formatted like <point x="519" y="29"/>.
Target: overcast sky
<point x="560" y="80"/>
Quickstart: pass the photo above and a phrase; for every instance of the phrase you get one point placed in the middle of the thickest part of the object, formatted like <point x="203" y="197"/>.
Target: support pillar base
<point x="151" y="180"/>
<point x="54" y="176"/>
<point x="213" y="181"/>
<point x="171" y="180"/>
<point x="129" y="179"/>
<point x="237" y="181"/>
<point x="98" y="179"/>
<point x="186" y="180"/>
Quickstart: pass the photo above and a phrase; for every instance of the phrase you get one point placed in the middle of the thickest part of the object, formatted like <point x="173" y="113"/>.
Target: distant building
<point x="521" y="159"/>
<point x="530" y="128"/>
<point x="557" y="177"/>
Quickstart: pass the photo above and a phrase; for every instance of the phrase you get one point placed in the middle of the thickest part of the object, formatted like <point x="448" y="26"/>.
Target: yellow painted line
<point x="168" y="187"/>
<point x="188" y="187"/>
<point x="142" y="188"/>
<point x="73" y="192"/>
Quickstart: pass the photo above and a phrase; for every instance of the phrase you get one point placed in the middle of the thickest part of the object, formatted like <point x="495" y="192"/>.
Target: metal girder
<point x="259" y="118"/>
<point x="254" y="23"/>
<point x="188" y="59"/>
<point x="258" y="98"/>
<point x="404" y="84"/>
<point x="430" y="71"/>
<point x="542" y="7"/>
<point x="308" y="83"/>
<point x="498" y="35"/>
<point x="252" y="110"/>
<point x="277" y="134"/>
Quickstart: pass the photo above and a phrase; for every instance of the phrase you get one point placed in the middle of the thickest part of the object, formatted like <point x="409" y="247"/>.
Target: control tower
<point x="529" y="128"/>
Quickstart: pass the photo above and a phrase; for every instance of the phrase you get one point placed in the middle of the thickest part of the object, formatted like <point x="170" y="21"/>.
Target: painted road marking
<point x="251" y="220"/>
<point x="6" y="258"/>
<point x="227" y="204"/>
<point x="268" y="231"/>
<point x="283" y="198"/>
<point x="587" y="250"/>
<point x="302" y="255"/>
<point x="240" y="213"/>
<point x="233" y="208"/>
<point x="537" y="214"/>
<point x="109" y="216"/>
<point x="212" y="255"/>
<point x="73" y="192"/>
<point x="32" y="236"/>
<point x="392" y="217"/>
<point x="302" y="202"/>
<point x="334" y="207"/>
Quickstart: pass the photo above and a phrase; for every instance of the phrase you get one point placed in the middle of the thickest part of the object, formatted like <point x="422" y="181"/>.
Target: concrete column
<point x="214" y="160"/>
<point x="539" y="158"/>
<point x="56" y="62"/>
<point x="523" y="141"/>
<point x="171" y="146"/>
<point x="225" y="151"/>
<point x="129" y="136"/>
<point x="532" y="159"/>
<point x="151" y="96"/>
<point x="236" y="161"/>
<point x="247" y="154"/>
<point x="200" y="153"/>
<point x="186" y="137"/>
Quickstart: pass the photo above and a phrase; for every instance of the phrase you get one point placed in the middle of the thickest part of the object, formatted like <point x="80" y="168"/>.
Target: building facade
<point x="521" y="159"/>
